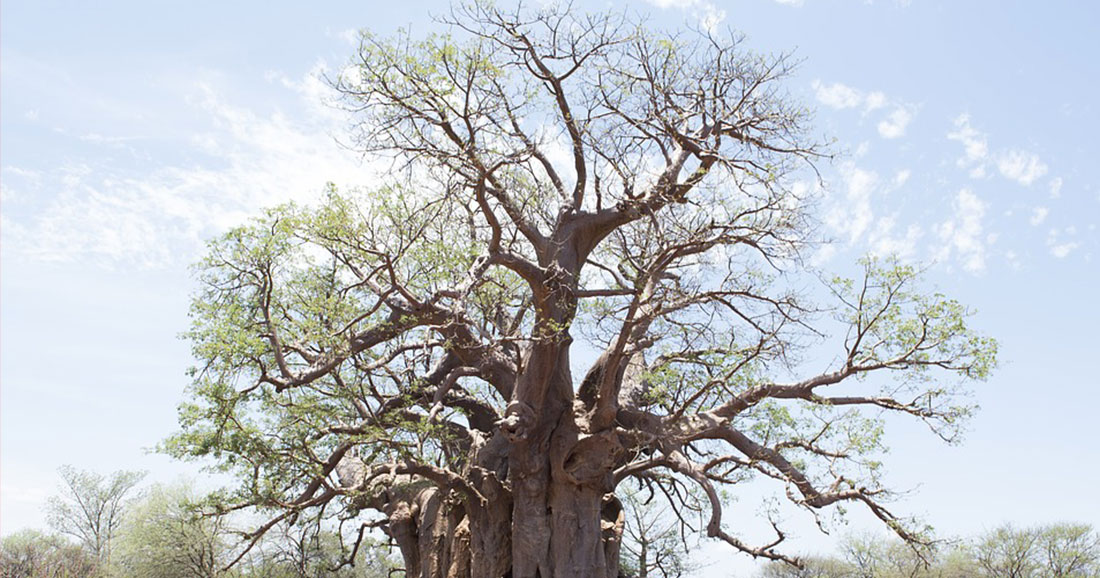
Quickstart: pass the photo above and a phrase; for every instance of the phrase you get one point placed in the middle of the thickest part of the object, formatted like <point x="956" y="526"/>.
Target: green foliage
<point x="165" y="533"/>
<point x="812" y="568"/>
<point x="304" y="550"/>
<point x="1050" y="551"/>
<point x="1055" y="550"/>
<point x="896" y="326"/>
<point x="165" y="536"/>
<point x="90" y="507"/>
<point x="32" y="554"/>
<point x="654" y="544"/>
<point x="305" y="277"/>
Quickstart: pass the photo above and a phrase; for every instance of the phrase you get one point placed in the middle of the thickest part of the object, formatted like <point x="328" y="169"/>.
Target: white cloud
<point x="1020" y="166"/>
<point x="712" y="16"/>
<point x="854" y="215"/>
<point x="321" y="100"/>
<point x="1038" y="215"/>
<point x="838" y="95"/>
<point x="23" y="173"/>
<point x="823" y="255"/>
<point x="13" y="180"/>
<point x="894" y="125"/>
<point x="874" y="101"/>
<point x="1017" y="165"/>
<point x="707" y="12"/>
<point x="1055" y="187"/>
<point x="841" y="97"/>
<point x="884" y="242"/>
<point x="962" y="235"/>
<point x="975" y="146"/>
<point x="1063" y="250"/>
<point x="349" y="35"/>
<point x="1059" y="247"/>
<point x="901" y="178"/>
<point x="94" y="210"/>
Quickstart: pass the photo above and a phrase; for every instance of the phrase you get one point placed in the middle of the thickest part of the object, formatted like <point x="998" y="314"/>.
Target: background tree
<point x="32" y="554"/>
<point x="308" y="551"/>
<point x="866" y="554"/>
<point x="654" y="539"/>
<point x="90" y="507"/>
<point x="407" y="353"/>
<point x="1051" y="550"/>
<point x="1069" y="550"/>
<point x="165" y="536"/>
<point x="871" y="556"/>
<point x="1007" y="552"/>
<point x="1063" y="549"/>
<point x="811" y="567"/>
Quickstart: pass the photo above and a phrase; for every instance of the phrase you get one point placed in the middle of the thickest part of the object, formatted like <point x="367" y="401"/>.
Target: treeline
<point x="1063" y="550"/>
<point x="104" y="527"/>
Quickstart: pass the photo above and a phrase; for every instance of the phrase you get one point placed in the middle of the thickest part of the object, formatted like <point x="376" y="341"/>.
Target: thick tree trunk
<point x="543" y="397"/>
<point x="581" y="466"/>
<point x="551" y="514"/>
<point x="440" y="539"/>
<point x="530" y="476"/>
<point x="576" y="539"/>
<point x="548" y="513"/>
<point x="559" y="474"/>
<point x="565" y="525"/>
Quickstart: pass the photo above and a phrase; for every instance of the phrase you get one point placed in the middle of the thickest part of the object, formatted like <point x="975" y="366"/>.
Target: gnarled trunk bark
<point x="558" y="519"/>
<point x="561" y="525"/>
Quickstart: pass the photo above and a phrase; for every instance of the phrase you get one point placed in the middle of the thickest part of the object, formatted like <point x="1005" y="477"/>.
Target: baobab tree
<point x="585" y="267"/>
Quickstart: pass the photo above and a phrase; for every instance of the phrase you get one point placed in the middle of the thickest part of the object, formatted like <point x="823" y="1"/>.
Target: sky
<point x="132" y="132"/>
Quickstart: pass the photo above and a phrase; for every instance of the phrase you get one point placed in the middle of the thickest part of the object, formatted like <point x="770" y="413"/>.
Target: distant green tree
<point x="653" y="540"/>
<point x="32" y="554"/>
<point x="1007" y="552"/>
<point x="1054" y="551"/>
<point x="1062" y="550"/>
<point x="954" y="562"/>
<point x="165" y="536"/>
<point x="812" y="567"/>
<point x="90" y="507"/>
<point x="1069" y="550"/>
<point x="873" y="556"/>
<point x="866" y="554"/>
<point x="305" y="550"/>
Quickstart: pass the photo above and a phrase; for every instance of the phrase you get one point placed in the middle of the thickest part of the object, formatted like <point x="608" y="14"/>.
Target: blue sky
<point x="133" y="131"/>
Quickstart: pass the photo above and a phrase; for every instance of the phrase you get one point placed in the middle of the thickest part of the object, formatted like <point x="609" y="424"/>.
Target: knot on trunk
<point x="517" y="422"/>
<point x="592" y="459"/>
